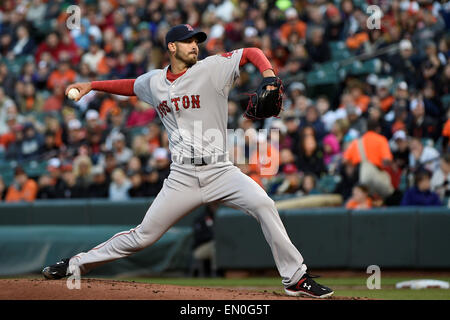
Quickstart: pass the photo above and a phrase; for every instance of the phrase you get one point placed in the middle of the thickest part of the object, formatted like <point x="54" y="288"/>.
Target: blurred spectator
<point x="161" y="162"/>
<point x="93" y="57"/>
<point x="360" y="198"/>
<point x="204" y="247"/>
<point x="291" y="182"/>
<point x="400" y="149"/>
<point x="8" y="80"/>
<point x="349" y="177"/>
<point x="121" y="152"/>
<point x="55" y="101"/>
<point x="421" y="194"/>
<point x="402" y="63"/>
<point x="331" y="144"/>
<point x="31" y="101"/>
<point x="308" y="185"/>
<point x="22" y="188"/>
<point x="318" y="49"/>
<point x="356" y="122"/>
<point x="24" y="44"/>
<point x="440" y="180"/>
<point x="422" y="125"/>
<point x="99" y="188"/>
<point x="141" y="115"/>
<point x="118" y="189"/>
<point x="94" y="134"/>
<point x="71" y="189"/>
<point x="422" y="157"/>
<point x="82" y="165"/>
<point x="293" y="25"/>
<point x="375" y="145"/>
<point x="312" y="119"/>
<point x="76" y="137"/>
<point x="51" y="45"/>
<point x="137" y="188"/>
<point x="334" y="23"/>
<point x="62" y="76"/>
<point x="310" y="157"/>
<point x="28" y="147"/>
<point x="57" y="184"/>
<point x="116" y="125"/>
<point x="360" y="99"/>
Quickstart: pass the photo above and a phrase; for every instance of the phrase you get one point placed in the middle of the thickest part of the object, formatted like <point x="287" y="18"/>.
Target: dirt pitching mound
<point x="95" y="289"/>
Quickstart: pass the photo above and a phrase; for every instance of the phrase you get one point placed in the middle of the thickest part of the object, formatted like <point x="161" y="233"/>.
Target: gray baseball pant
<point x="186" y="188"/>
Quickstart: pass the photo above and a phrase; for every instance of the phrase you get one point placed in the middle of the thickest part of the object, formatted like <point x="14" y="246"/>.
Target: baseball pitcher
<point x="188" y="94"/>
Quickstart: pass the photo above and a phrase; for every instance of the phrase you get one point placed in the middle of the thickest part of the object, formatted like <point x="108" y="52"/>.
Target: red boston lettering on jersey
<point x="164" y="103"/>
<point x="186" y="102"/>
<point x="163" y="108"/>
<point x="193" y="102"/>
<point x="175" y="102"/>
<point x="195" y="99"/>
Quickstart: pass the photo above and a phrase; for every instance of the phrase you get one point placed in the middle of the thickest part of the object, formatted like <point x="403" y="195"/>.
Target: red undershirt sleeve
<point x="122" y="87"/>
<point x="256" y="57"/>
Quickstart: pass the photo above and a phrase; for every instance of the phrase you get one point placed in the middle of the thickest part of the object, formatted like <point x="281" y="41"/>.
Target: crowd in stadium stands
<point x="389" y="85"/>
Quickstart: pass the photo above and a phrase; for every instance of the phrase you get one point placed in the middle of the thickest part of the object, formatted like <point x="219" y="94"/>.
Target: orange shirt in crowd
<point x="62" y="78"/>
<point x="287" y="28"/>
<point x="107" y="106"/>
<point x="352" y="204"/>
<point x="446" y="130"/>
<point x="386" y="103"/>
<point x="357" y="40"/>
<point x="6" y="139"/>
<point x="376" y="148"/>
<point x="28" y="192"/>
<point x="362" y="102"/>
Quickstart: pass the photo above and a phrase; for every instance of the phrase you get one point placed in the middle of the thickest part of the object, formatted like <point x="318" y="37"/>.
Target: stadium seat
<point x="366" y="67"/>
<point x="339" y="50"/>
<point x="327" y="184"/>
<point x="15" y="66"/>
<point x="7" y="171"/>
<point x="136" y="131"/>
<point x="35" y="168"/>
<point x="403" y="182"/>
<point x="324" y="74"/>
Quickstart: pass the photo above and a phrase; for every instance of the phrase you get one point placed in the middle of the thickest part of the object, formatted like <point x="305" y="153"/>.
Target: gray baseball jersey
<point x="198" y="97"/>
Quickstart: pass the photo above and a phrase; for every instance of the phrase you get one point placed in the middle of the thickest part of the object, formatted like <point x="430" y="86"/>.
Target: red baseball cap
<point x="290" y="168"/>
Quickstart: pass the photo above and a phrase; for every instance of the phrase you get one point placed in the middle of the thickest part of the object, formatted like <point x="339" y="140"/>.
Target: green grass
<point x="343" y="287"/>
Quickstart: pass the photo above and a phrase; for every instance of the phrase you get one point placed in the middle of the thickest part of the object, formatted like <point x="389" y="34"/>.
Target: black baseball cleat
<point x="306" y="286"/>
<point x="56" y="271"/>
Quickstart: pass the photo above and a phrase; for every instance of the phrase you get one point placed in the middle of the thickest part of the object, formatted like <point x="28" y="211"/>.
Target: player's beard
<point x="189" y="59"/>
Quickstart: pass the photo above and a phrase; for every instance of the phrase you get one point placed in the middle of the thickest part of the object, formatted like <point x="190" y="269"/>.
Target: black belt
<point x="196" y="162"/>
<point x="201" y="161"/>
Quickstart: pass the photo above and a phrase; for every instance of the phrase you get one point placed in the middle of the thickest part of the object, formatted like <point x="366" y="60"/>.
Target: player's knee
<point x="146" y="238"/>
<point x="263" y="204"/>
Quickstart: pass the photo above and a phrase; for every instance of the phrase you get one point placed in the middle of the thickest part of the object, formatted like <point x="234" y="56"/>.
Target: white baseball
<point x="73" y="93"/>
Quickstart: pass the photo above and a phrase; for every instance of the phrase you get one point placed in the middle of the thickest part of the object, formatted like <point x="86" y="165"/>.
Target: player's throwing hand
<point x="82" y="87"/>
